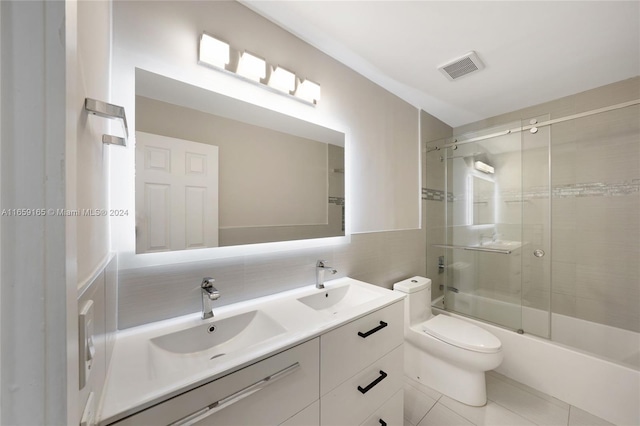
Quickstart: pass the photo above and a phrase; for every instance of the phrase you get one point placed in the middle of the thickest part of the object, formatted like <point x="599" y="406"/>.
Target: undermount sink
<point x="337" y="299"/>
<point x="221" y="337"/>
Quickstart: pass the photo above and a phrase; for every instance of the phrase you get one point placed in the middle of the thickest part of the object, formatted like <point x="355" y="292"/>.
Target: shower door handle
<point x="538" y="253"/>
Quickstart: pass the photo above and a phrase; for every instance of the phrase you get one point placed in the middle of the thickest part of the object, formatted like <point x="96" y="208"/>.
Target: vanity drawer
<point x="390" y="414"/>
<point x="350" y="348"/>
<point x="265" y="393"/>
<point x="353" y="401"/>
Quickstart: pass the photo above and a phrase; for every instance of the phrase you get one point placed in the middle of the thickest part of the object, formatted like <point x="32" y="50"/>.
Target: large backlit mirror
<point x="212" y="171"/>
<point x="483" y="201"/>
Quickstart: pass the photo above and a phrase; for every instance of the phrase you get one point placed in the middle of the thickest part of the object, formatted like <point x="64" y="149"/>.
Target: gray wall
<point x="383" y="159"/>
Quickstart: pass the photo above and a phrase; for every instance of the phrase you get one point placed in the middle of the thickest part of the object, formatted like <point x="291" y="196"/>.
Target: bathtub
<point x="610" y="343"/>
<point x="599" y="373"/>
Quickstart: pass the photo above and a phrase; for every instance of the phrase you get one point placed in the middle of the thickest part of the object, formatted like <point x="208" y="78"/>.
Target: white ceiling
<point x="534" y="51"/>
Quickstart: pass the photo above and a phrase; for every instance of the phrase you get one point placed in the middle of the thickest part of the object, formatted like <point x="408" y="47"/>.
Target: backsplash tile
<point x="154" y="293"/>
<point x="160" y="292"/>
<point x="101" y="291"/>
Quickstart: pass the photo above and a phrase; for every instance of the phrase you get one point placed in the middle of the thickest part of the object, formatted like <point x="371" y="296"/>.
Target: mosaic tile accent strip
<point x="435" y="195"/>
<point x="339" y="201"/>
<point x="597" y="189"/>
<point x="592" y="189"/>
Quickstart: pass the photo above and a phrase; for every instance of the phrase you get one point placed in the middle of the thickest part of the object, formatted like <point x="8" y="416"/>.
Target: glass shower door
<point x="536" y="227"/>
<point x="497" y="226"/>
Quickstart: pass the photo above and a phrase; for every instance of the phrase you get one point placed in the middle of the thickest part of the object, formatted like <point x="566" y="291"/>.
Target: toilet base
<point x="468" y="387"/>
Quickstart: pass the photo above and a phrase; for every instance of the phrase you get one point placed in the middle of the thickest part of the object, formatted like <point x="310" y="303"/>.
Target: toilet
<point x="445" y="353"/>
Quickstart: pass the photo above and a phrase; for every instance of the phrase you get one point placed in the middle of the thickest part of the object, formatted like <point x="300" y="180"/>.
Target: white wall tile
<point x="160" y="292"/>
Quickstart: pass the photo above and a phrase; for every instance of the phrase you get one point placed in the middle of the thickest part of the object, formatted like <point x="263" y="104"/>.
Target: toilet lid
<point x="462" y="334"/>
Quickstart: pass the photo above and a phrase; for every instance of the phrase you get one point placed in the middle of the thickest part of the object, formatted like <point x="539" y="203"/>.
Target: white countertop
<point x="138" y="378"/>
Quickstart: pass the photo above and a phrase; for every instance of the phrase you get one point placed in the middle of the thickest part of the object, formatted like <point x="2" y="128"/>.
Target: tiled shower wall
<point x="595" y="204"/>
<point x="161" y="292"/>
<point x="596" y="218"/>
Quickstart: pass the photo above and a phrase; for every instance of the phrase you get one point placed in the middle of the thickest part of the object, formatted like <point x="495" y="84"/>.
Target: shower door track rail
<point x="473" y="248"/>
<point x="538" y="125"/>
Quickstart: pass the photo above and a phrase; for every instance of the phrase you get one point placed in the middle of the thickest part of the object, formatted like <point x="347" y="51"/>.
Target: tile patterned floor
<point x="509" y="404"/>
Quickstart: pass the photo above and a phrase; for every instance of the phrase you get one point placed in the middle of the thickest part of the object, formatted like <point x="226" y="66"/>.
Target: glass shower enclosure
<point x="493" y="249"/>
<point x="534" y="226"/>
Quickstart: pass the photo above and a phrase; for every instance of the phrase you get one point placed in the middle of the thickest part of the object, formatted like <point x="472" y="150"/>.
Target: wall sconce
<point x="218" y="54"/>
<point x="213" y="51"/>
<point x="483" y="167"/>
<point x="283" y="80"/>
<point x="252" y="67"/>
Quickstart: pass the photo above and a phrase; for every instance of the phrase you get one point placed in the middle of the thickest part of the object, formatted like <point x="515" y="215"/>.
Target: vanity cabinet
<point x="391" y="413"/>
<point x="361" y="370"/>
<point x="350" y="375"/>
<point x="268" y="392"/>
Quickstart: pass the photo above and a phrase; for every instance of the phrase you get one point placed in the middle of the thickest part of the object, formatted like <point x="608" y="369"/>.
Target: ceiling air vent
<point x="462" y="66"/>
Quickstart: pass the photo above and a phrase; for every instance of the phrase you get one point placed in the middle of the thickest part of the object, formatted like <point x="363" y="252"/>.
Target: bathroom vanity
<point x="309" y="356"/>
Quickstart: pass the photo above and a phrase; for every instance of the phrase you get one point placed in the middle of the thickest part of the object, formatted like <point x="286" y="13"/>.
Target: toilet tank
<point x="417" y="304"/>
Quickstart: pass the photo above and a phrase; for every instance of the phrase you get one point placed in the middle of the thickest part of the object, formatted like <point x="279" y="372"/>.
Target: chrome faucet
<point x="209" y="294"/>
<point x="321" y="266"/>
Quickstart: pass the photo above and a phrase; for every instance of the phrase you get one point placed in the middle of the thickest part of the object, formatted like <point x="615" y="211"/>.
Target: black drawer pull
<point x="373" y="330"/>
<point x="372" y="384"/>
<point x="383" y="423"/>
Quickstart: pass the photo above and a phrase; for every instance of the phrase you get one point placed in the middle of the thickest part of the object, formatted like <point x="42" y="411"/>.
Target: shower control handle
<point x="538" y="253"/>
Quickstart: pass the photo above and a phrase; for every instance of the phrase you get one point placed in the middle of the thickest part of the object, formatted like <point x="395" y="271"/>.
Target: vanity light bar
<point x="309" y="91"/>
<point x="484" y="167"/>
<point x="252" y="67"/>
<point x="283" y="80"/>
<point x="213" y="51"/>
<point x="218" y="54"/>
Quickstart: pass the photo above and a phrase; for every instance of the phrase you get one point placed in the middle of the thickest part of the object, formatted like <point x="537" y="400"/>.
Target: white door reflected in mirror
<point x="176" y="194"/>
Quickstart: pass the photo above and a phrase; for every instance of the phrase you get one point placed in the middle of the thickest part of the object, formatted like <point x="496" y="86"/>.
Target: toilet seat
<point x="462" y="334"/>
